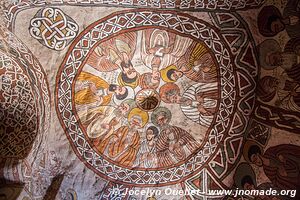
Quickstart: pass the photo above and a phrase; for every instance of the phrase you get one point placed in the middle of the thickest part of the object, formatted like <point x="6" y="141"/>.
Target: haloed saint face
<point x="205" y="63"/>
<point x="274" y="84"/>
<point x="176" y="75"/>
<point x="129" y="70"/>
<point x="155" y="77"/>
<point x="161" y="119"/>
<point x="173" y="96"/>
<point x="275" y="59"/>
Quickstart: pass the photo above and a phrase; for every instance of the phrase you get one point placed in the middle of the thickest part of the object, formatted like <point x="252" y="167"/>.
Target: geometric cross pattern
<point x="52" y="28"/>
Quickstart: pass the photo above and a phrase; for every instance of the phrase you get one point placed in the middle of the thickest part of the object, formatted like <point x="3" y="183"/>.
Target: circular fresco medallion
<point x="120" y="87"/>
<point x="147" y="103"/>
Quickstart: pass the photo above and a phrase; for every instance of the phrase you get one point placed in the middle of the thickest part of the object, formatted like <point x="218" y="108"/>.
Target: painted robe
<point x="195" y="52"/>
<point x="122" y="145"/>
<point x="209" y="93"/>
<point x="292" y="48"/>
<point x="86" y="95"/>
<point x="150" y="152"/>
<point x="99" y="120"/>
<point x="108" y="55"/>
<point x="292" y="8"/>
<point x="165" y="151"/>
<point x="290" y="163"/>
<point x="165" y="45"/>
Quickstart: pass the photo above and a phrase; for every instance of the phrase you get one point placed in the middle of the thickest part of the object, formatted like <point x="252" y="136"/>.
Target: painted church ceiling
<point x="99" y="98"/>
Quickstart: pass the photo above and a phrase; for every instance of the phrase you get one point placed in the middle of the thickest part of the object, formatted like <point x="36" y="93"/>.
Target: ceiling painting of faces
<point x="109" y="99"/>
<point x="141" y="89"/>
<point x="153" y="95"/>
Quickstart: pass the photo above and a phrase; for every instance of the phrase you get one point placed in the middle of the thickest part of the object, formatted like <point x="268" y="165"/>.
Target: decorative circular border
<point x="12" y="9"/>
<point x="117" y="23"/>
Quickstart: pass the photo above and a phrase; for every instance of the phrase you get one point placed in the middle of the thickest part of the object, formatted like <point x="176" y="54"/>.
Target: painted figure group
<point x="283" y="87"/>
<point x="148" y="60"/>
<point x="281" y="165"/>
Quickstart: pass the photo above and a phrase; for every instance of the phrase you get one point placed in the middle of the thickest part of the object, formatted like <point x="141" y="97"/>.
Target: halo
<point x="158" y="110"/>
<point x="163" y="73"/>
<point x="143" y="114"/>
<point x="151" y="124"/>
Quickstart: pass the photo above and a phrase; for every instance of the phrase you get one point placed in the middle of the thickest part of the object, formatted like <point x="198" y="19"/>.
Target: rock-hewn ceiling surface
<point x="142" y="99"/>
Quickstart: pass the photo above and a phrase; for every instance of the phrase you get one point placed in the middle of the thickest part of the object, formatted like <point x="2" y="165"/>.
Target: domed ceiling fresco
<point x="149" y="99"/>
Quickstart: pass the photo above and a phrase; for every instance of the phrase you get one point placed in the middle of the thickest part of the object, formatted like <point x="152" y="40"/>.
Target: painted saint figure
<point x="166" y="46"/>
<point x="116" y="53"/>
<point x="196" y="64"/>
<point x="96" y="90"/>
<point x="245" y="178"/>
<point x="198" y="102"/>
<point x="124" y="143"/>
<point x="286" y="91"/>
<point x="109" y="54"/>
<point x="173" y="144"/>
<point x="271" y="22"/>
<point x="271" y="56"/>
<point x="281" y="163"/>
<point x="146" y="156"/>
<point x="151" y="80"/>
<point x="101" y="121"/>
<point x="128" y="76"/>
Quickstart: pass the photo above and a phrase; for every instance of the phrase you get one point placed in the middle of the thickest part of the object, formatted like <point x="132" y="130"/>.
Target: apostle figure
<point x="151" y="80"/>
<point x="146" y="156"/>
<point x="267" y="88"/>
<point x="272" y="56"/>
<point x="196" y="64"/>
<point x="128" y="76"/>
<point x="102" y="120"/>
<point x="167" y="46"/>
<point x="198" y="102"/>
<point x="245" y="179"/>
<point x="281" y="163"/>
<point x="109" y="55"/>
<point x="116" y="53"/>
<point x="271" y="22"/>
<point x="286" y="91"/>
<point x="170" y="74"/>
<point x="99" y="121"/>
<point x="96" y="90"/>
<point x="292" y="12"/>
<point x="173" y="144"/>
<point x="124" y="143"/>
